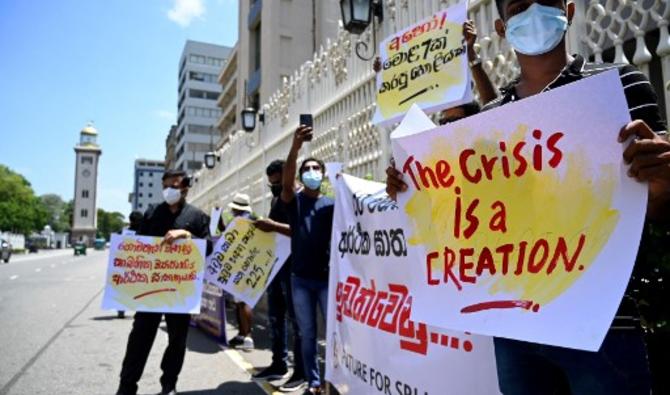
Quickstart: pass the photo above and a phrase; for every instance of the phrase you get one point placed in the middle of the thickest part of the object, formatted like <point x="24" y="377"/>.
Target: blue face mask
<point x="537" y="30"/>
<point x="312" y="179"/>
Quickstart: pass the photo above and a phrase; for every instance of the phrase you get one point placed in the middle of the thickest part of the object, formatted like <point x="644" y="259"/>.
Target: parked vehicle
<point x="31" y="246"/>
<point x="99" y="244"/>
<point x="5" y="250"/>
<point x="79" y="249"/>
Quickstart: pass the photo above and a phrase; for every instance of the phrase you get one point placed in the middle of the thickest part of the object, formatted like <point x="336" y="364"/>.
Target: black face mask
<point x="276" y="189"/>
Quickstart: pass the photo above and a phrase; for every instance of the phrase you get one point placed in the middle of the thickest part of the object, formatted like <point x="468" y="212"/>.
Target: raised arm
<point x="302" y="134"/>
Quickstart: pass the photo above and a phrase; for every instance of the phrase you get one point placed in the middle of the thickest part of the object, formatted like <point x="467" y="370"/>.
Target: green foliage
<point x="57" y="217"/>
<point x="20" y="210"/>
<point x="108" y="223"/>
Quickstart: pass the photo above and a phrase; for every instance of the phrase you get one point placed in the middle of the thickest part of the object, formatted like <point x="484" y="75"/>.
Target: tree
<point x="108" y="223"/>
<point x="20" y="210"/>
<point x="56" y="208"/>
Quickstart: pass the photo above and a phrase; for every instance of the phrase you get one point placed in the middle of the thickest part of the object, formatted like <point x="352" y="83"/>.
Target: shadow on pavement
<point x="229" y="388"/>
<point x="107" y="318"/>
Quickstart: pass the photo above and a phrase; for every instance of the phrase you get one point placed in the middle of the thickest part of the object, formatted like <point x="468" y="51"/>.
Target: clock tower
<point x="84" y="216"/>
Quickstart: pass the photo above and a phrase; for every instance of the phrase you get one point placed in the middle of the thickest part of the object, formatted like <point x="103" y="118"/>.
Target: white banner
<point x="373" y="346"/>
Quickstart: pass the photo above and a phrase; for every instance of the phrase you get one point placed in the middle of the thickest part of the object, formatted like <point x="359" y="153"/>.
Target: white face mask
<point x="171" y="195"/>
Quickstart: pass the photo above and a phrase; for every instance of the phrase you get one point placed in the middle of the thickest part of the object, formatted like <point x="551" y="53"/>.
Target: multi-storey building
<point x="171" y="147"/>
<point x="274" y="39"/>
<point x="147" y="188"/>
<point x="197" y="111"/>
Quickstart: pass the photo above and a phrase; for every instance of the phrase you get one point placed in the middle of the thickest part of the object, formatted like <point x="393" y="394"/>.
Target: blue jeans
<point x="620" y="367"/>
<point x="280" y="304"/>
<point x="306" y="295"/>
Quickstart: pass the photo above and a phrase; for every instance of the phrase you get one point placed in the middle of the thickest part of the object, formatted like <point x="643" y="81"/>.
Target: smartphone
<point x="307" y="120"/>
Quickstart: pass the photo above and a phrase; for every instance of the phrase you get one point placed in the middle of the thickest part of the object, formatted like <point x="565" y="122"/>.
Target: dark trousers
<point x="140" y="341"/>
<point x="280" y="305"/>
<point x="619" y="368"/>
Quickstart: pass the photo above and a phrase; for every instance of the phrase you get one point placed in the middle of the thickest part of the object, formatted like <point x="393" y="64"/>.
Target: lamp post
<point x="356" y="17"/>
<point x="211" y="156"/>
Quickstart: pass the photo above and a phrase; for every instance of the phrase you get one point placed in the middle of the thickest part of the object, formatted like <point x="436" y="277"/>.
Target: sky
<point x="114" y="62"/>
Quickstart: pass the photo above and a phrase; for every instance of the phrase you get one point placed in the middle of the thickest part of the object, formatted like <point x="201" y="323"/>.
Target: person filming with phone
<point x="310" y="215"/>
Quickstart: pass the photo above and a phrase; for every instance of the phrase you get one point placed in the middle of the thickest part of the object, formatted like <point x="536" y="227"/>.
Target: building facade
<point x="147" y="187"/>
<point x="199" y="68"/>
<point x="84" y="216"/>
<point x="274" y="38"/>
<point x="338" y="88"/>
<point x="171" y="147"/>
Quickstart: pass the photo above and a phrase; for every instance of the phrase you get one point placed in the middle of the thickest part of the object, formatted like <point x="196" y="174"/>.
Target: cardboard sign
<point x="522" y="222"/>
<point x="373" y="344"/>
<point x="144" y="274"/>
<point x="214" y="219"/>
<point x="245" y="260"/>
<point x="425" y="64"/>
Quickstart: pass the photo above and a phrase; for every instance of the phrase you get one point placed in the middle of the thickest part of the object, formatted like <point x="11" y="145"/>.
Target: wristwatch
<point x="476" y="62"/>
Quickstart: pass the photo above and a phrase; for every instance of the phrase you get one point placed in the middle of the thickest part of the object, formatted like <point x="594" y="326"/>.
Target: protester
<point x="536" y="30"/>
<point x="173" y="219"/>
<point x="280" y="300"/>
<point x="310" y="216"/>
<point x="241" y="207"/>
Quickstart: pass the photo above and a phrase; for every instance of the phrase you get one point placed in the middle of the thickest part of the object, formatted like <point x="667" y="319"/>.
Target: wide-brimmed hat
<point x="241" y="202"/>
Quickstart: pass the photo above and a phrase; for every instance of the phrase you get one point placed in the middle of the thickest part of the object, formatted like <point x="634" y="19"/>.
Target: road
<point x="55" y="339"/>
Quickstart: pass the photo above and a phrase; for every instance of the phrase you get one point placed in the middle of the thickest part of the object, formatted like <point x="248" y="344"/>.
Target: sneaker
<point x="172" y="392"/>
<point x="312" y="390"/>
<point x="295" y="383"/>
<point x="272" y="372"/>
<point x="247" y="344"/>
<point x="236" y="341"/>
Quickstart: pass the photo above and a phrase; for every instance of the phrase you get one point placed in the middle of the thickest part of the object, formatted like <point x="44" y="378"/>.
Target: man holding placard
<point x="536" y="31"/>
<point x="173" y="220"/>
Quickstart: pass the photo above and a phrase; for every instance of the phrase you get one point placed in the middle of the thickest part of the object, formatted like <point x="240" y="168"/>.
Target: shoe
<point x="312" y="390"/>
<point x="120" y="314"/>
<point x="272" y="372"/>
<point x="236" y="341"/>
<point x="247" y="344"/>
<point x="173" y="392"/>
<point x="295" y="383"/>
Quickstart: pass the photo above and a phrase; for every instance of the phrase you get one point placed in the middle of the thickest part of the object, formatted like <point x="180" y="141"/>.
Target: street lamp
<point x="210" y="160"/>
<point x="357" y="14"/>
<point x="249" y="118"/>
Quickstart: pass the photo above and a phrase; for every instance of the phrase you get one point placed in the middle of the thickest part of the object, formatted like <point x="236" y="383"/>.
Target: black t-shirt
<point x="159" y="220"/>
<point x="278" y="214"/>
<point x="311" y="222"/>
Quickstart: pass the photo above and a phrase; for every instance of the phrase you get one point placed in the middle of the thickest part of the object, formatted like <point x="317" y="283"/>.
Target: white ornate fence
<point x="338" y="89"/>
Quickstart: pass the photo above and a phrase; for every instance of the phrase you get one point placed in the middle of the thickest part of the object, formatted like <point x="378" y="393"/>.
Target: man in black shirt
<point x="280" y="300"/>
<point x="536" y="30"/>
<point x="174" y="219"/>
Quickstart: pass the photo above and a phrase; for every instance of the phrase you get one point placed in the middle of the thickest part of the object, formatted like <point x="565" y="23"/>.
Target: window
<point x="141" y="184"/>
<point x="255" y="53"/>
<point x="84" y="193"/>
<point x="140" y="194"/>
<point x="151" y="195"/>
<point x="151" y="185"/>
<point x="139" y="205"/>
<point x="197" y="59"/>
<point x="141" y="173"/>
<point x="151" y="174"/>
<point x="87" y="160"/>
<point x="203" y="77"/>
<point x="84" y="213"/>
<point x="200" y="94"/>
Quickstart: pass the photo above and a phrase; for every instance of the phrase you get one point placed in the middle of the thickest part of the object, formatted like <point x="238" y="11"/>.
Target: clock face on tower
<point x="86" y="173"/>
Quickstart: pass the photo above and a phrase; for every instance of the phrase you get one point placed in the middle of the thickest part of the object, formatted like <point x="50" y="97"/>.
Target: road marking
<point x="238" y="360"/>
<point x="14" y="277"/>
<point x="38" y="270"/>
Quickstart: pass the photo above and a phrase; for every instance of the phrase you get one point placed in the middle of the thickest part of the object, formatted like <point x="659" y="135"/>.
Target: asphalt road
<point x="55" y="339"/>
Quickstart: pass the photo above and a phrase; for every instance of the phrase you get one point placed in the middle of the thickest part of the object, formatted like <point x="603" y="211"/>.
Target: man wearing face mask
<point x="173" y="219"/>
<point x="310" y="216"/>
<point x="536" y="31"/>
<point x="280" y="300"/>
